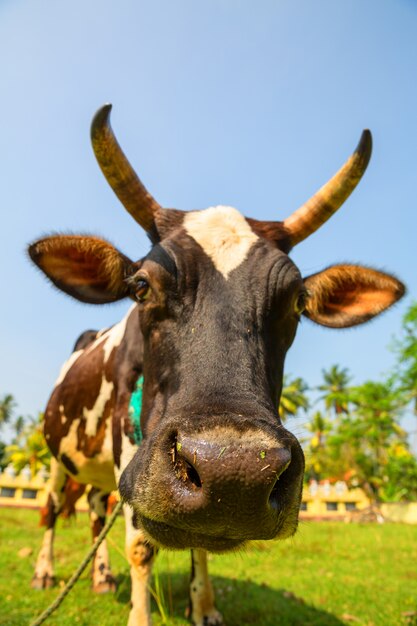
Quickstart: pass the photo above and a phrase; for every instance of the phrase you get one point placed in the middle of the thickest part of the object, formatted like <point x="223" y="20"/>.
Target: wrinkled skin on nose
<point x="215" y="487"/>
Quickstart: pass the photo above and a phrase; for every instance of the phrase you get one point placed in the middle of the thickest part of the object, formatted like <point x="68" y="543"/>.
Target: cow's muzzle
<point x="216" y="487"/>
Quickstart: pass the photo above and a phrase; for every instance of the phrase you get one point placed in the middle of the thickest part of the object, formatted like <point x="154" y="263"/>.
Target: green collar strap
<point x="135" y="410"/>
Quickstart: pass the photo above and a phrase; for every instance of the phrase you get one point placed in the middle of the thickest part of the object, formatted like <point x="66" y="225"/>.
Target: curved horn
<point x="119" y="173"/>
<point x="311" y="215"/>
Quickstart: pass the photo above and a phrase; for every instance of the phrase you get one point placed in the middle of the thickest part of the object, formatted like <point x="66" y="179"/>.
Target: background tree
<point x="335" y="389"/>
<point x="3" y="456"/>
<point x="7" y="407"/>
<point x="18" y="425"/>
<point x="30" y="448"/>
<point x="365" y="439"/>
<point x="317" y="463"/>
<point x="405" y="346"/>
<point x="293" y="397"/>
<point x="400" y="479"/>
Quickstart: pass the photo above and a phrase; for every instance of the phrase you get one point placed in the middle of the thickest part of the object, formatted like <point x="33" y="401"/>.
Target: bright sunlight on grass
<point x="328" y="575"/>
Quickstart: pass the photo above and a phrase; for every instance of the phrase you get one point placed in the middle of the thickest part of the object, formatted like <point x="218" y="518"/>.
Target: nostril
<point x="184" y="469"/>
<point x="192" y="475"/>
<point x="273" y="499"/>
<point x="278" y="490"/>
<point x="187" y="472"/>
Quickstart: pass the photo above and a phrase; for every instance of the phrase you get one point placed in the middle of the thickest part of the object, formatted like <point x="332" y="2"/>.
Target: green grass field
<point x="328" y="575"/>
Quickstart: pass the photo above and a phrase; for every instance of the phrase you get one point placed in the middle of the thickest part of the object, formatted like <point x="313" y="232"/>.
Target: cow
<point x="216" y="305"/>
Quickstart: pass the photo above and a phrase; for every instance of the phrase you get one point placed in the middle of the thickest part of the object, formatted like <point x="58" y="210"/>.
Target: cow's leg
<point x="103" y="580"/>
<point x="202" y="611"/>
<point x="43" y="577"/>
<point x="140" y="554"/>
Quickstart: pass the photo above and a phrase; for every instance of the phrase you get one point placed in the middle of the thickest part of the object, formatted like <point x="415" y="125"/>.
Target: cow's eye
<point x="142" y="290"/>
<point x="301" y="303"/>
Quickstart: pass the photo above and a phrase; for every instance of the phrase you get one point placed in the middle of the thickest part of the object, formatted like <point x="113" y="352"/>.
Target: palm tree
<point x="19" y="425"/>
<point x="316" y="457"/>
<point x="318" y="426"/>
<point x="7" y="406"/>
<point x="368" y="435"/>
<point x="336" y="389"/>
<point x="30" y="449"/>
<point x="293" y="397"/>
<point x="405" y="345"/>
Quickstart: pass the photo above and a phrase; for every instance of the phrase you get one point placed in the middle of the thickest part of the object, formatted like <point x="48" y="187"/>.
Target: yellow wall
<point x="405" y="512"/>
<point x="26" y="492"/>
<point x="333" y="501"/>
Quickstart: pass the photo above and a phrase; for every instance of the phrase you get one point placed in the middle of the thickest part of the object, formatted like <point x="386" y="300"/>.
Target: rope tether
<point x="53" y="607"/>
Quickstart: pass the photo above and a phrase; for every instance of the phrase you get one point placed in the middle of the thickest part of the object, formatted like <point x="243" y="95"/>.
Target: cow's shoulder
<point x="85" y="394"/>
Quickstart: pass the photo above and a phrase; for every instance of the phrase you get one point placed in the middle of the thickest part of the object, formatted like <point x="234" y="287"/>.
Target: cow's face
<point x="220" y="319"/>
<point x="217" y="324"/>
<point x="219" y="302"/>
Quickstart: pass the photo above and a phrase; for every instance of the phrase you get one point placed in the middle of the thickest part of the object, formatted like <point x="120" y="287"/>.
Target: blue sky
<point x="233" y="102"/>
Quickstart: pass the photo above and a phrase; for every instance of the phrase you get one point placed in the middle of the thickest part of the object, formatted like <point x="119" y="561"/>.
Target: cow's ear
<point x="88" y="268"/>
<point x="346" y="295"/>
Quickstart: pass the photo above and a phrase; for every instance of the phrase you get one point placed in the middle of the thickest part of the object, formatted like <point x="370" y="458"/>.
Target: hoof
<point x="214" y="618"/>
<point x="107" y="586"/>
<point x="43" y="582"/>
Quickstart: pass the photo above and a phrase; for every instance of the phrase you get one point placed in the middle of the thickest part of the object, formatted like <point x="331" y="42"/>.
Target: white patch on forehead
<point x="224" y="235"/>
<point x="93" y="415"/>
